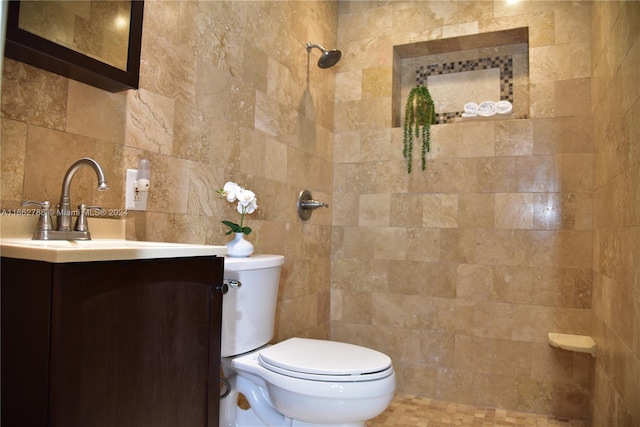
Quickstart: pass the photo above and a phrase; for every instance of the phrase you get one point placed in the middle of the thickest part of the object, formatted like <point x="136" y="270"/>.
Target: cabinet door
<point x="26" y="299"/>
<point x="136" y="343"/>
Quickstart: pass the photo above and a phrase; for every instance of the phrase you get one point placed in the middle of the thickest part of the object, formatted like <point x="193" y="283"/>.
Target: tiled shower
<point x="518" y="227"/>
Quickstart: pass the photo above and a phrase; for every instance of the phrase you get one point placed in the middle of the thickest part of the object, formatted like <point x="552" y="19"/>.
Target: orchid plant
<point x="247" y="204"/>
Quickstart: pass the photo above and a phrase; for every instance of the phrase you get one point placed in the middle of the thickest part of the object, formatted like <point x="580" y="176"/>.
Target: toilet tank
<point x="248" y="312"/>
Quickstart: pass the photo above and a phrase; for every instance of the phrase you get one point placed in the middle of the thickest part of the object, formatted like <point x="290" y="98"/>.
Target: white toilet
<point x="298" y="382"/>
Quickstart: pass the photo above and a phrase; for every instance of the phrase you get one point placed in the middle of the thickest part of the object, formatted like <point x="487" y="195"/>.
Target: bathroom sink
<point x="108" y="244"/>
<point x="60" y="251"/>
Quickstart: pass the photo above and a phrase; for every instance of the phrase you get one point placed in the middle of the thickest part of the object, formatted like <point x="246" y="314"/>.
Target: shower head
<point x="329" y="58"/>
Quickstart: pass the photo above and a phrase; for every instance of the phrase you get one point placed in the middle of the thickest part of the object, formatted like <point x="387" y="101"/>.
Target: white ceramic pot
<point x="239" y="246"/>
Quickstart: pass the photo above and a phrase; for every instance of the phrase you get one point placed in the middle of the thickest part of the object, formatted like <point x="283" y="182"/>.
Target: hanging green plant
<point x="420" y="114"/>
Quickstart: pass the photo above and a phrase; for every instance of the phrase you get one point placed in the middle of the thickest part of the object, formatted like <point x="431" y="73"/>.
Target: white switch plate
<point x="129" y="201"/>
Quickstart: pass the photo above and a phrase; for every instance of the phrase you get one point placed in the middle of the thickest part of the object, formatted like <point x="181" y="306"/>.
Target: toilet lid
<point x="325" y="360"/>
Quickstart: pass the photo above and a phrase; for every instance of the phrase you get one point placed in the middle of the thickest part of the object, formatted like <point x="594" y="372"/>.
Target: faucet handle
<point x="44" y="222"/>
<point x="83" y="213"/>
<point x="81" y="222"/>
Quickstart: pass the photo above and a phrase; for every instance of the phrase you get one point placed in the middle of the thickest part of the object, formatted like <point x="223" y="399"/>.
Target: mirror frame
<point x="29" y="48"/>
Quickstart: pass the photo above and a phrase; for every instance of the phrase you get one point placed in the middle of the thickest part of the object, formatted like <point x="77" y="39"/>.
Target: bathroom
<point x="457" y="272"/>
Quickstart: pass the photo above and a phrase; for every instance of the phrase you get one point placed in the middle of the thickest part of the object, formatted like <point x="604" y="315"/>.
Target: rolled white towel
<point x="504" y="107"/>
<point x="470" y="109"/>
<point x="487" y="108"/>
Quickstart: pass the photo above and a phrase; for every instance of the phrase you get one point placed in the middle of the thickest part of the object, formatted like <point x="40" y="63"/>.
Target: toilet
<point x="297" y="382"/>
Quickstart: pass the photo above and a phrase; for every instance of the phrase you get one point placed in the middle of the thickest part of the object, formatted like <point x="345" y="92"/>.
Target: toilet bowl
<point x="297" y="382"/>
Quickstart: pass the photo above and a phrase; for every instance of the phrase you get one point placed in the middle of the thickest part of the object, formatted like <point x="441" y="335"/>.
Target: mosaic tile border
<point x="504" y="63"/>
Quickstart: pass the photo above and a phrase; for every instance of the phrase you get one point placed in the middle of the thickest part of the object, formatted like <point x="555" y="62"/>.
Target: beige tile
<point x="476" y="139"/>
<point x="496" y="175"/>
<point x="514" y="210"/>
<point x="573" y="97"/>
<point x="437" y="348"/>
<point x="573" y="249"/>
<point x="568" y="287"/>
<point x="476" y="210"/>
<point x="357" y="307"/>
<point x="573" y="23"/>
<point x="536" y="174"/>
<point x="364" y="275"/>
<point x="202" y="200"/>
<point x="552" y="364"/>
<point x="493" y="356"/>
<point x="550" y="213"/>
<point x="33" y="96"/>
<point x="171" y="185"/>
<point x="562" y="135"/>
<point x="359" y="242"/>
<point x="376" y="82"/>
<point x="444" y="140"/>
<point x="439" y="210"/>
<point x="13" y="140"/>
<point x="374" y="210"/>
<point x="96" y="113"/>
<point x="150" y="122"/>
<point x="390" y="243"/>
<point x="347" y="147"/>
<point x="560" y="62"/>
<point x="349" y="85"/>
<point x="474" y="282"/>
<point x="514" y="138"/>
<point x="275" y="160"/>
<point x="513" y="284"/>
<point x="534" y="248"/>
<point x="192" y="134"/>
<point x="542" y="101"/>
<point x="49" y="154"/>
<point x="406" y="210"/>
<point x="423" y="244"/>
<point x="573" y="172"/>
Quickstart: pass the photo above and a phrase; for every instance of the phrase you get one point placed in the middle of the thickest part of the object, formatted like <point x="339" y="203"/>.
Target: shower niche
<point x="491" y="66"/>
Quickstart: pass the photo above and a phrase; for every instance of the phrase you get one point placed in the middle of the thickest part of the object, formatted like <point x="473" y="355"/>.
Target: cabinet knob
<point x="223" y="288"/>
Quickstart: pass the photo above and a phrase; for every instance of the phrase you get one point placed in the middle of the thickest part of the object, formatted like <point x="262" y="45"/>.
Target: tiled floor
<point x="412" y="411"/>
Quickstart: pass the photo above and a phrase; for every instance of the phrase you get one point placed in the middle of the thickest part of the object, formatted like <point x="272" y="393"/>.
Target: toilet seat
<point x="322" y="360"/>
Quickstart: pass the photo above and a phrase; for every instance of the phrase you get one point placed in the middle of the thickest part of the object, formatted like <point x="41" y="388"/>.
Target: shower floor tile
<point x="412" y="411"/>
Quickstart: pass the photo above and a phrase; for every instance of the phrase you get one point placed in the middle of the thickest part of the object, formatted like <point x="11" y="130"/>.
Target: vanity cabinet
<point x="129" y="343"/>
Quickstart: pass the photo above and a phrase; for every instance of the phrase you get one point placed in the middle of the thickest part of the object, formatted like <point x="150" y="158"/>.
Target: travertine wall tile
<point x="13" y="146"/>
<point x="374" y="210"/>
<point x="227" y="92"/>
<point x="502" y="254"/>
<point x="95" y="113"/>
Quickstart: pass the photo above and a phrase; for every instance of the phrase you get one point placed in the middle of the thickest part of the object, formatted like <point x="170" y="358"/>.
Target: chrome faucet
<point x="64" y="210"/>
<point x="63" y="231"/>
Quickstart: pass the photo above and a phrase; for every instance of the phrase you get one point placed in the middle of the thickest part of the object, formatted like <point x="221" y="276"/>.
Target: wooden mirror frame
<point x="29" y="48"/>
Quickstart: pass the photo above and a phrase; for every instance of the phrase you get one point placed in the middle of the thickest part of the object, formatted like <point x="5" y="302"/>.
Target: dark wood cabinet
<point x="114" y="343"/>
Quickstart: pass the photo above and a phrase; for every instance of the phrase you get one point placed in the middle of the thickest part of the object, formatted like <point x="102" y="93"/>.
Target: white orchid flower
<point x="231" y="190"/>
<point x="247" y="204"/>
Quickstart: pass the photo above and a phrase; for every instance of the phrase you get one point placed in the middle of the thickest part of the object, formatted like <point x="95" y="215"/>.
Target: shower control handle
<point x="306" y="205"/>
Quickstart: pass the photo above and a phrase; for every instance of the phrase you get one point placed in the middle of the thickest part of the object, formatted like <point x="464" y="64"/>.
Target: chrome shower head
<point x="329" y="58"/>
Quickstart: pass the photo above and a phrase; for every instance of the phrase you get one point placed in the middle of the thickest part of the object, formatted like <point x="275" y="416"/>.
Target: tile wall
<point x="615" y="94"/>
<point x="460" y="271"/>
<point x="227" y="92"/>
